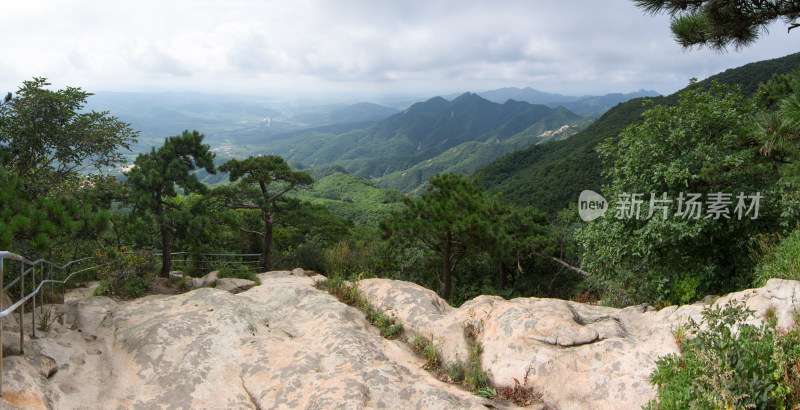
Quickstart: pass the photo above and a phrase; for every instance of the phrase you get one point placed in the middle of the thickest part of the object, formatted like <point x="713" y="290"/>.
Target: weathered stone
<point x="234" y="285"/>
<point x="208" y="280"/>
<point x="9" y="322"/>
<point x="285" y="344"/>
<point x="25" y="387"/>
<point x="576" y="355"/>
<point x="282" y="344"/>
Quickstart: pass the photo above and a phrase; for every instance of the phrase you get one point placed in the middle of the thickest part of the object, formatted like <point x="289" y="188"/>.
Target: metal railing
<point x="204" y="262"/>
<point x="46" y="277"/>
<point x="53" y="274"/>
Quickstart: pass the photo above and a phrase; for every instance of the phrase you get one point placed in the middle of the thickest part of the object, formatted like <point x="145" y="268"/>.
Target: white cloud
<point x="573" y="47"/>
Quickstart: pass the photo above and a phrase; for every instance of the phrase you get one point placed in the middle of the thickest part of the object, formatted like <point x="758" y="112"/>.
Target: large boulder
<point x="576" y="355"/>
<point x="208" y="280"/>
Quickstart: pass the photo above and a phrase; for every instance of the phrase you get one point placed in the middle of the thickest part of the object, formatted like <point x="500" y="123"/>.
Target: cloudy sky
<point x="367" y="47"/>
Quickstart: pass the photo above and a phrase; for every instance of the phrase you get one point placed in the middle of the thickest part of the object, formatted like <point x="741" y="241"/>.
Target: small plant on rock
<point x="456" y="371"/>
<point x="428" y="351"/>
<point x="520" y="394"/>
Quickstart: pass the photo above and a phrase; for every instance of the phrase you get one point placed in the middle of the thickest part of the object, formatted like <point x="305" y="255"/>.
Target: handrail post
<point x="33" y="311"/>
<point x="21" y="308"/>
<point x="1" y="332"/>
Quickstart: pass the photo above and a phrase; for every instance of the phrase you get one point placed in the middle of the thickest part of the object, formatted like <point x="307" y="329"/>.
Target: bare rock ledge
<point x="285" y="344"/>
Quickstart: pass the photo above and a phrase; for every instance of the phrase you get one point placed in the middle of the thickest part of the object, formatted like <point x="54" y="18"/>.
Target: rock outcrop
<point x="576" y="355"/>
<point x="283" y="344"/>
<point x="286" y="344"/>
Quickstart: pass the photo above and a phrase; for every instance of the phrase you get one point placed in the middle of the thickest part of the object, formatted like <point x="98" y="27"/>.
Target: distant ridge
<point x="583" y="105"/>
<point x="550" y="176"/>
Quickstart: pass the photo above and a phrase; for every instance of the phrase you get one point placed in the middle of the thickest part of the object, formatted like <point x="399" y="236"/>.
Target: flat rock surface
<point x="286" y="344"/>
<point x="283" y="344"/>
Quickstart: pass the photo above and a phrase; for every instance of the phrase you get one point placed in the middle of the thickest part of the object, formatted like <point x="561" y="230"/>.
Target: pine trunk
<point x="267" y="255"/>
<point x="447" y="268"/>
<point x="166" y="249"/>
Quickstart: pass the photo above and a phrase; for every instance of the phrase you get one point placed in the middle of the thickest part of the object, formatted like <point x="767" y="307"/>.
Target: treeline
<point x="59" y="204"/>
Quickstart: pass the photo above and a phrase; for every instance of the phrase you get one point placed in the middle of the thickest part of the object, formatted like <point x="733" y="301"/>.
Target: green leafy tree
<point x="49" y="140"/>
<point x="153" y="180"/>
<point x="717" y="24"/>
<point x="453" y="219"/>
<point x="705" y="145"/>
<point x="257" y="174"/>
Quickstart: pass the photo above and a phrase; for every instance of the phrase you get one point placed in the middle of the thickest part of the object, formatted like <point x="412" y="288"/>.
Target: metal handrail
<point x="32" y="295"/>
<point x="49" y="280"/>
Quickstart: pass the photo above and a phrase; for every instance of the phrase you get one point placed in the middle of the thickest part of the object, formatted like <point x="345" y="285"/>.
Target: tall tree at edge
<point x="156" y="174"/>
<point x="452" y="219"/>
<point x="263" y="171"/>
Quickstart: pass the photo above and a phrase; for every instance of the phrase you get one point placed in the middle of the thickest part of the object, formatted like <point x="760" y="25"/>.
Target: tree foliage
<point x="49" y="140"/>
<point x="717" y="24"/>
<point x="156" y="175"/>
<point x="705" y="145"/>
<point x="452" y="219"/>
<point x="257" y="174"/>
<point x="36" y="225"/>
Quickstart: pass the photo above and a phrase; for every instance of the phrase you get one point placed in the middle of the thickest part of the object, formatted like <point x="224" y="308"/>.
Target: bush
<point x="135" y="287"/>
<point x="123" y="272"/>
<point x="345" y="261"/>
<point x="730" y="364"/>
<point x="456" y="371"/>
<point x="428" y="351"/>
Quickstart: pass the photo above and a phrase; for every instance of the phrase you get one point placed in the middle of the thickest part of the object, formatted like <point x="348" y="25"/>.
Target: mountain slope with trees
<point x="550" y="176"/>
<point x="420" y="133"/>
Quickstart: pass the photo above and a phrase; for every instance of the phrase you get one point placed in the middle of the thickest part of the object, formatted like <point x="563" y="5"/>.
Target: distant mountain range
<point x="551" y="176"/>
<point x="224" y="119"/>
<point x="586" y="105"/>
<point x="397" y="149"/>
<point x="403" y="150"/>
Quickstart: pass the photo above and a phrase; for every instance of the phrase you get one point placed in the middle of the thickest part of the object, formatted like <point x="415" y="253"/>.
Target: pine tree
<point x="155" y="175"/>
<point x="452" y="219"/>
<point x="262" y="171"/>
<point x="717" y="24"/>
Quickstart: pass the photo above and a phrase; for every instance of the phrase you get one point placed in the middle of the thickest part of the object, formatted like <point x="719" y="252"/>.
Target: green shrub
<point x="135" y="286"/>
<point x="726" y="363"/>
<point x="428" y="351"/>
<point x="348" y="262"/>
<point x="123" y="272"/>
<point x="307" y="256"/>
<point x="476" y="378"/>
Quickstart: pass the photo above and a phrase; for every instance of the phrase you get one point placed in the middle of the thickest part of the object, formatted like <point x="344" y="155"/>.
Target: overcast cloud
<point x="367" y="47"/>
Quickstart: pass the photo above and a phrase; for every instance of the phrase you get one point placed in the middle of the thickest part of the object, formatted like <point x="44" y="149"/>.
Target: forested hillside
<point x="550" y="176"/>
<point x="422" y="133"/>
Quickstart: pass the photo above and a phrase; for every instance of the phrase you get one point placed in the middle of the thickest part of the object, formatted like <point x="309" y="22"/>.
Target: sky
<point x="356" y="47"/>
